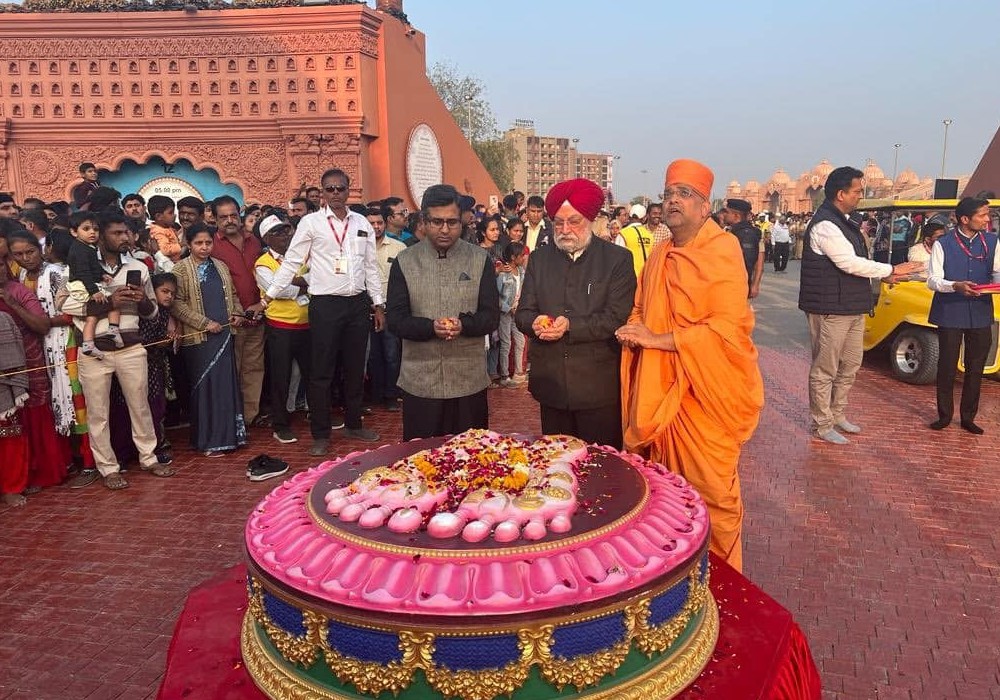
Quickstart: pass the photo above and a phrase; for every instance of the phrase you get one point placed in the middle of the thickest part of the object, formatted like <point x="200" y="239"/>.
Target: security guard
<point x="736" y="216"/>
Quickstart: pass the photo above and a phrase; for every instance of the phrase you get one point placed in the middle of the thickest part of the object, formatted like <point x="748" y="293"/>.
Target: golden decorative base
<point x="665" y="680"/>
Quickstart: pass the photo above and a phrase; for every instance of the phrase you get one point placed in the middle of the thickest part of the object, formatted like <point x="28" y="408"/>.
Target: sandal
<point x="161" y="470"/>
<point x="115" y="482"/>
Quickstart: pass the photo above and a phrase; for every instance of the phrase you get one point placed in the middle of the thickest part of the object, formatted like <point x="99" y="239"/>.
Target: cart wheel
<point x="913" y="355"/>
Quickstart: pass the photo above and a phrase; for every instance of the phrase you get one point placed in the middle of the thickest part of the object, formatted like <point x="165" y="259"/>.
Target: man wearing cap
<point x="637" y="238"/>
<point x="835" y="293"/>
<point x="691" y="389"/>
<point x="736" y="215"/>
<point x="443" y="300"/>
<point x="575" y="294"/>
<point x="286" y="323"/>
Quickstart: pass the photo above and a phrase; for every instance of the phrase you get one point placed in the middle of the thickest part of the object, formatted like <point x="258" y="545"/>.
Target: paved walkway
<point x="886" y="550"/>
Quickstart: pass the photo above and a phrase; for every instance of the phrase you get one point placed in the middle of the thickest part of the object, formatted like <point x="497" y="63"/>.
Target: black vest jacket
<point x="749" y="237"/>
<point x="823" y="287"/>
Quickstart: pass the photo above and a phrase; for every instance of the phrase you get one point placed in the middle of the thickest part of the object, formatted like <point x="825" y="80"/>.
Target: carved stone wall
<point x="313" y="154"/>
<point x="232" y="79"/>
<point x="259" y="168"/>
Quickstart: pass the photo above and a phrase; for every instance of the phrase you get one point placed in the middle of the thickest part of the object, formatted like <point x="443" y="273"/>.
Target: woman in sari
<point x="68" y="405"/>
<point x="207" y="308"/>
<point x="49" y="451"/>
<point x="13" y="395"/>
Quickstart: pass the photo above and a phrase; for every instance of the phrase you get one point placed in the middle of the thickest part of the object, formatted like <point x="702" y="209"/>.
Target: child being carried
<point x="86" y="275"/>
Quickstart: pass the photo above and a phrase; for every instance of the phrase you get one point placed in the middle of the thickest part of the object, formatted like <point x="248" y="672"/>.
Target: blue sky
<point x="744" y="87"/>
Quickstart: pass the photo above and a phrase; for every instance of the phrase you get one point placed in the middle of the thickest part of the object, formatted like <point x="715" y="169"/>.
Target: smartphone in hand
<point x="133" y="278"/>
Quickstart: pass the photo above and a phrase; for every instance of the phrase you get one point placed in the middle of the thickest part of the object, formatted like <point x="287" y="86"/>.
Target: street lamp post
<point x="944" y="148"/>
<point x="645" y="197"/>
<point x="468" y="116"/>
<point x="576" y="158"/>
<point x="895" y="165"/>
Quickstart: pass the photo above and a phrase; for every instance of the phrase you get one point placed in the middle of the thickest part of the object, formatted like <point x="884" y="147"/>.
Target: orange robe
<point x="691" y="410"/>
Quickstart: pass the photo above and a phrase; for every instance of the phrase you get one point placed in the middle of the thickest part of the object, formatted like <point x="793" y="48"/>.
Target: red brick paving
<point x="885" y="550"/>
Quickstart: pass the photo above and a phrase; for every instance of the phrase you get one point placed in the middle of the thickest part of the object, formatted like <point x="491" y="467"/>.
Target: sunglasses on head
<point x="335" y="188"/>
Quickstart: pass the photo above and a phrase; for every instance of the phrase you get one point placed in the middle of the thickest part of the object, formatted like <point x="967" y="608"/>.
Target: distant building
<point x="542" y="161"/>
<point x="780" y="193"/>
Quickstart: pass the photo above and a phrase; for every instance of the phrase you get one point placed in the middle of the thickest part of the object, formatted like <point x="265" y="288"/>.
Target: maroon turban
<point x="585" y="196"/>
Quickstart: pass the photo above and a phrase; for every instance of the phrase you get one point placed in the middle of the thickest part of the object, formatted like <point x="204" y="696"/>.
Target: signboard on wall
<point x="423" y="161"/>
<point x="173" y="187"/>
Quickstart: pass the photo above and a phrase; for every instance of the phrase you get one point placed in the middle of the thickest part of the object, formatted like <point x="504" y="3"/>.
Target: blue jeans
<point x="508" y="333"/>
<point x="383" y="365"/>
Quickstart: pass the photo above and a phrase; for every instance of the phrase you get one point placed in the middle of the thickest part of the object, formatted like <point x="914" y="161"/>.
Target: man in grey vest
<point x="442" y="301"/>
<point x="835" y="292"/>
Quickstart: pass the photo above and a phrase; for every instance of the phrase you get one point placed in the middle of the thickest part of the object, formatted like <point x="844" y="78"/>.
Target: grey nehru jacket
<point x="443" y="288"/>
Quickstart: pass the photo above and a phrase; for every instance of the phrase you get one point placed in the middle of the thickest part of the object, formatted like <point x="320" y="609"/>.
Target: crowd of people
<point x="125" y="317"/>
<point x="632" y="328"/>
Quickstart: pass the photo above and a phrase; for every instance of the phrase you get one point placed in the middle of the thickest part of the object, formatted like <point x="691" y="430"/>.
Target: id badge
<point x="340" y="265"/>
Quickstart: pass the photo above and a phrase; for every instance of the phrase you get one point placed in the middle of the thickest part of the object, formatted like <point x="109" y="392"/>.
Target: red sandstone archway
<point x="116" y="161"/>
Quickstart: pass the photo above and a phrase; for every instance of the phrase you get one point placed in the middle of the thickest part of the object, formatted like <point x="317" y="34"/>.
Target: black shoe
<point x="284" y="436"/>
<point x="362" y="434"/>
<point x="319" y="447"/>
<point x="393" y="406"/>
<point x="84" y="478"/>
<point x="164" y="458"/>
<point x="263" y="467"/>
<point x="940" y="424"/>
<point x="972" y="427"/>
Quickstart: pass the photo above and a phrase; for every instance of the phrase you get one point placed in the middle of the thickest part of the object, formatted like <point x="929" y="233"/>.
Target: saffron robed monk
<point x="691" y="388"/>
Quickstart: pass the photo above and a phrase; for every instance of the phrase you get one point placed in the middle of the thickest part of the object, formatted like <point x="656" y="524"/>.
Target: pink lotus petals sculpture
<point x="476" y="485"/>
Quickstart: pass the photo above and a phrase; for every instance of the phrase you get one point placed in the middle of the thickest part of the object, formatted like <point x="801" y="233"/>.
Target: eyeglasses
<point x="571" y="222"/>
<point x="401" y="212"/>
<point x="335" y="188"/>
<point x="441" y="223"/>
<point x="682" y="192"/>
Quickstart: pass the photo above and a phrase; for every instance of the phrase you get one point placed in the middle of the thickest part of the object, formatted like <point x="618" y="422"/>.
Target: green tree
<point x="465" y="98"/>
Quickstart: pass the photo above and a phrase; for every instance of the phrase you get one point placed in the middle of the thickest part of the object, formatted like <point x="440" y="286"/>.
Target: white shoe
<point x="845" y="426"/>
<point x="831" y="436"/>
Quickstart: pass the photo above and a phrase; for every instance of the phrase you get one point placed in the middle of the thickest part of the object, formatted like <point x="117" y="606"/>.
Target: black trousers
<point x="435" y="417"/>
<point x="284" y="346"/>
<point x="977" y="347"/>
<point x="601" y="426"/>
<point x="780" y="256"/>
<point x="338" y="328"/>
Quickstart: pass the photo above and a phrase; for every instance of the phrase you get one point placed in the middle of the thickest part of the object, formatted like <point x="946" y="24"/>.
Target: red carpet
<point x="761" y="653"/>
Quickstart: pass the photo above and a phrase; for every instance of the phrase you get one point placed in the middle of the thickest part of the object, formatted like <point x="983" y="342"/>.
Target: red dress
<point x="49" y="452"/>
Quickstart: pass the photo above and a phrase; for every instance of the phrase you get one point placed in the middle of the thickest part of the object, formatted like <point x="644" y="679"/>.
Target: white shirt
<point x="316" y="241"/>
<point x="265" y="278"/>
<point x="935" y="269"/>
<point x="531" y="234"/>
<point x="387" y="250"/>
<point x="780" y="234"/>
<point x="827" y="239"/>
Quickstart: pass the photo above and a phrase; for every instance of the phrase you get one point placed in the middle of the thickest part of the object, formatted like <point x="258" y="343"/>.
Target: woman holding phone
<point x="207" y="308"/>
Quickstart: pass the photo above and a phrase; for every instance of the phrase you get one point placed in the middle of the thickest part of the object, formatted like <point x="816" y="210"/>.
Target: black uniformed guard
<point x="736" y="215"/>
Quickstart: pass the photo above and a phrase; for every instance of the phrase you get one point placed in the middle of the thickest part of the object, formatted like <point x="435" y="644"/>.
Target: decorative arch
<point x="237" y="167"/>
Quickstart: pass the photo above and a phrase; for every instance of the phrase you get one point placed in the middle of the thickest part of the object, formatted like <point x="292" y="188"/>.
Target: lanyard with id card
<point x="342" y="262"/>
